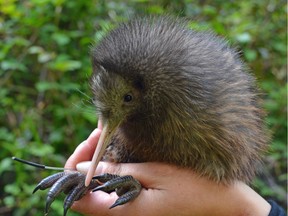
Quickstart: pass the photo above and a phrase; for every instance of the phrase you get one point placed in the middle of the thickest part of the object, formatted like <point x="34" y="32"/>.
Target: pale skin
<point x="167" y="190"/>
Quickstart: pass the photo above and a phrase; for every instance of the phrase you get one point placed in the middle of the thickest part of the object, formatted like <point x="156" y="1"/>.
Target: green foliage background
<point x="45" y="101"/>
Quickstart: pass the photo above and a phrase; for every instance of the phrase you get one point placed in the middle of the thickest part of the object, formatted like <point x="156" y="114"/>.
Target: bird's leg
<point x="126" y="187"/>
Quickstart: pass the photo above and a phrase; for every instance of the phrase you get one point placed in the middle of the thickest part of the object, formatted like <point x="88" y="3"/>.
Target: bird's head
<point x="119" y="100"/>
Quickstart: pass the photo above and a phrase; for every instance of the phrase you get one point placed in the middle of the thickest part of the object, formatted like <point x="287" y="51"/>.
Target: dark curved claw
<point x="48" y="181"/>
<point x="62" y="184"/>
<point x="126" y="197"/>
<point x="126" y="187"/>
<point x="67" y="182"/>
<point x="78" y="192"/>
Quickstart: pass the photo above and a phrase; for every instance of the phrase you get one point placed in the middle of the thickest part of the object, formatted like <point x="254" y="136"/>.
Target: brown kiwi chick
<point x="178" y="96"/>
<point x="169" y="94"/>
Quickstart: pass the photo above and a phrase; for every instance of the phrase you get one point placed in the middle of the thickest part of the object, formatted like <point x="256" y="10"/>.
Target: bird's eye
<point x="128" y="98"/>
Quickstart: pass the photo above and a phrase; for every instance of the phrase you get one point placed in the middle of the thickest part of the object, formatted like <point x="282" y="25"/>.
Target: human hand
<point x="167" y="190"/>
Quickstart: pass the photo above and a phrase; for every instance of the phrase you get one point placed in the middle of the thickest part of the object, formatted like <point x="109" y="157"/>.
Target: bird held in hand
<point x="170" y="94"/>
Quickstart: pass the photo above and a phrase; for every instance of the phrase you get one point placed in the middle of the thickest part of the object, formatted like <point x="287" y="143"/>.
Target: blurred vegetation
<point x="45" y="101"/>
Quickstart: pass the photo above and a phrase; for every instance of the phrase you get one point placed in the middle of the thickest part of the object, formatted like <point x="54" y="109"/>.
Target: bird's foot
<point x="72" y="183"/>
<point x="126" y="187"/>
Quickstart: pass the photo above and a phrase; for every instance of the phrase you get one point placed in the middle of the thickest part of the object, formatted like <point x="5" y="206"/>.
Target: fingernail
<point x="83" y="166"/>
<point x="99" y="169"/>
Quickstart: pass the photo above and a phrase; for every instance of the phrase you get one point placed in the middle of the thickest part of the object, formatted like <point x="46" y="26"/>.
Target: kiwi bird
<point x="170" y="94"/>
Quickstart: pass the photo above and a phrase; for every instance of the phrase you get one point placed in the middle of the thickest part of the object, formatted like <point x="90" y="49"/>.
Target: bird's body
<point x="193" y="104"/>
<point x="168" y="94"/>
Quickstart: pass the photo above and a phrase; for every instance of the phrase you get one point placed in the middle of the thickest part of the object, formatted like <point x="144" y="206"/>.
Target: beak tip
<point x="88" y="178"/>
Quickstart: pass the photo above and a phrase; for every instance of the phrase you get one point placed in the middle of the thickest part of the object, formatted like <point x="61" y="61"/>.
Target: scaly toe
<point x="68" y="180"/>
<point x="48" y="181"/>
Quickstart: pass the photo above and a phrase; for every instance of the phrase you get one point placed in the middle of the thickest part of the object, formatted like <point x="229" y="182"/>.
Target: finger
<point x="85" y="150"/>
<point x="150" y="175"/>
<point x="95" y="203"/>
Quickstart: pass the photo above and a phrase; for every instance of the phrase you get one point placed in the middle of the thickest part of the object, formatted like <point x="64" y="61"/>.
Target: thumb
<point x="103" y="167"/>
<point x="150" y="174"/>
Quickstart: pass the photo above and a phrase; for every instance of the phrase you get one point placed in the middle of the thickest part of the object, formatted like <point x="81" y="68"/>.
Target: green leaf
<point x="42" y="150"/>
<point x="13" y="65"/>
<point x="244" y="37"/>
<point x="35" y="50"/>
<point x="9" y="201"/>
<point x="12" y="189"/>
<point x="55" y="136"/>
<point x="5" y="165"/>
<point x="45" y="57"/>
<point x="45" y="86"/>
<point x="65" y="65"/>
<point x="250" y="55"/>
<point x="61" y="39"/>
<point x="280" y="47"/>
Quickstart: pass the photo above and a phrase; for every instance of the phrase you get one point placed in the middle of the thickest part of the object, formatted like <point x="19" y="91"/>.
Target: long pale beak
<point x="99" y="151"/>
